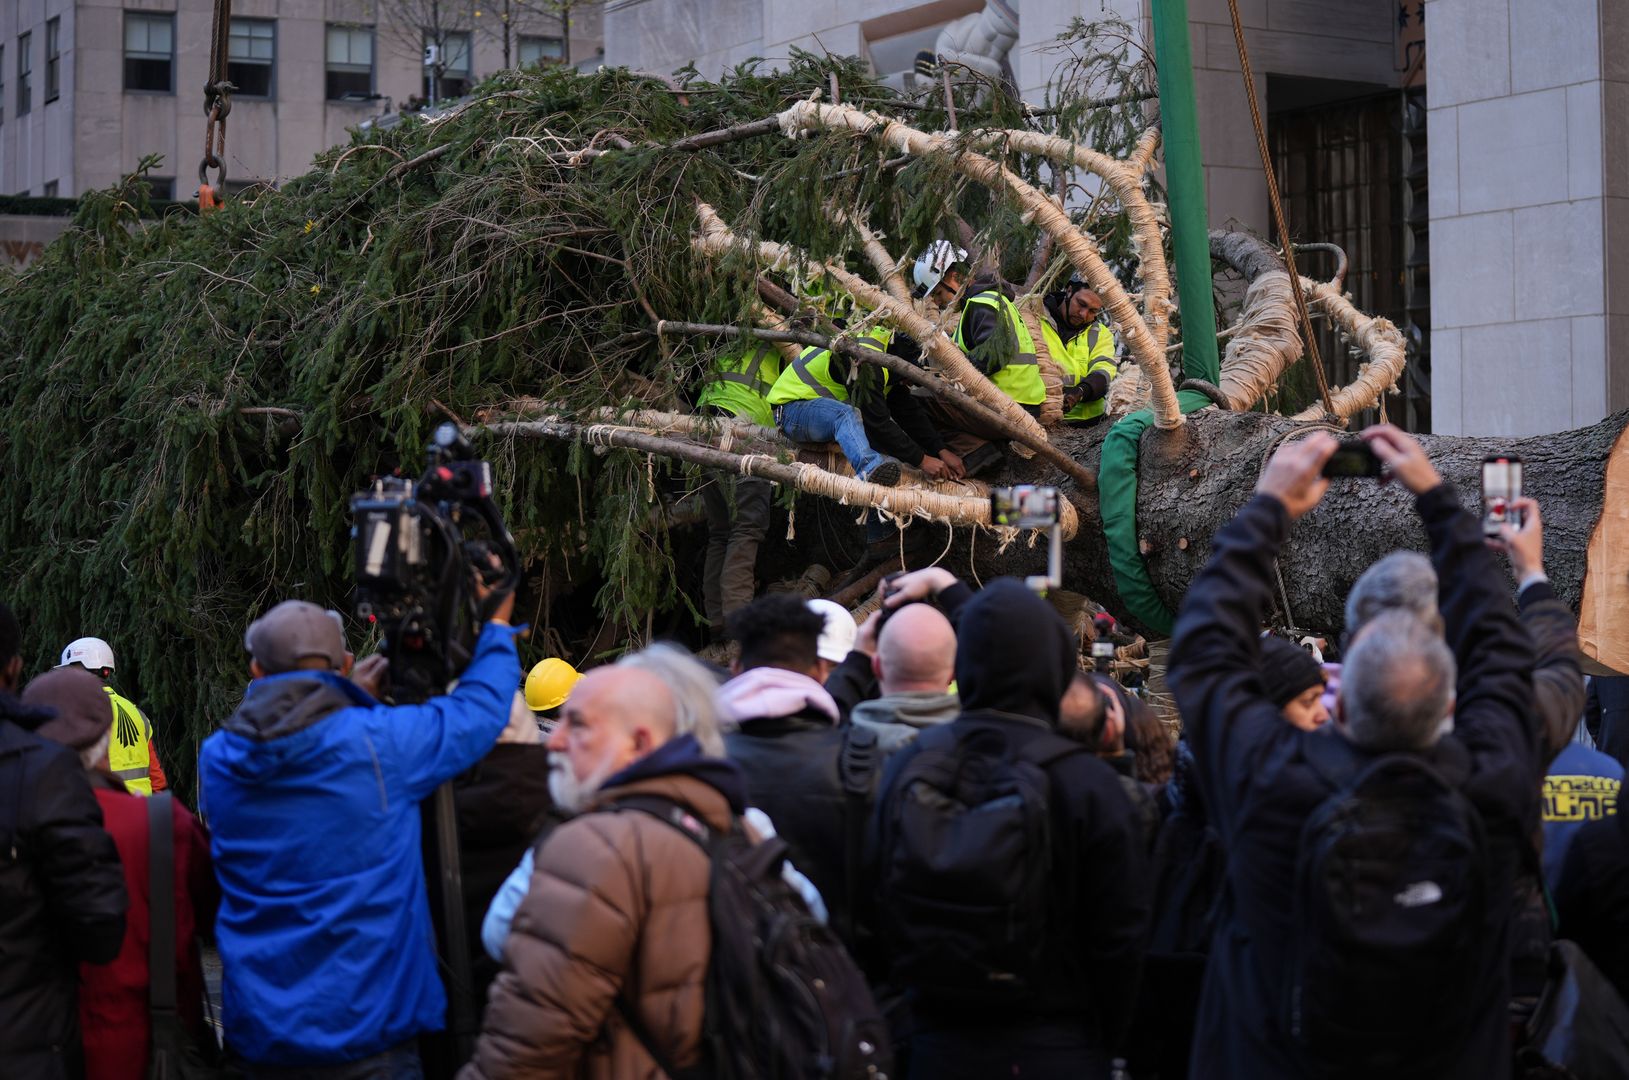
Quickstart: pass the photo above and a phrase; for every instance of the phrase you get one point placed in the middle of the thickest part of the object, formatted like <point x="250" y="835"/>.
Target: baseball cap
<point x="292" y="631"/>
<point x="837" y="639"/>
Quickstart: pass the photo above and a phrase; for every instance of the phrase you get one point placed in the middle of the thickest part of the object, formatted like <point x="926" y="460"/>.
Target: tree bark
<point x="1192" y="481"/>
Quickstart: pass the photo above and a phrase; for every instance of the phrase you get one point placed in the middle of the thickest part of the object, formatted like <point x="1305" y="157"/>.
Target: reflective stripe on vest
<point x="809" y="376"/>
<point x="127" y="756"/>
<point x="1020" y="376"/>
<point x="749" y="377"/>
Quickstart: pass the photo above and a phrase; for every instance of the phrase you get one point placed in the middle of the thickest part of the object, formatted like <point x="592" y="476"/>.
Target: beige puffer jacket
<point x="618" y="904"/>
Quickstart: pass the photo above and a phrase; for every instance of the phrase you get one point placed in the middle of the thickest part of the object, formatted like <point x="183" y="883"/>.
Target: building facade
<point x="1478" y="194"/>
<point x="89" y="87"/>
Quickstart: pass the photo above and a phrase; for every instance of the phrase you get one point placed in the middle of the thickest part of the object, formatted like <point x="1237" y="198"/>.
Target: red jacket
<point x="113" y="997"/>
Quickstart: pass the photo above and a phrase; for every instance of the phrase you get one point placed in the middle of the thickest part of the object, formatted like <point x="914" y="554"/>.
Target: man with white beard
<point x="617" y="905"/>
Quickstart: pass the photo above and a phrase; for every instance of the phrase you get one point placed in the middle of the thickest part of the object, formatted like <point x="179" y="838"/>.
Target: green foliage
<point x="365" y="302"/>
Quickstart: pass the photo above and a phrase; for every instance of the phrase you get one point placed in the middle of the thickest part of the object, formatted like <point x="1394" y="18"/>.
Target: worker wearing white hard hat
<point x="132" y="756"/>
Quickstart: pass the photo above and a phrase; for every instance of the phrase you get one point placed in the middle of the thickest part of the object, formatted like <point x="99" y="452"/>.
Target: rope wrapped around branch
<point x="901" y="503"/>
<point x="1082" y="252"/>
<point x="1377" y="338"/>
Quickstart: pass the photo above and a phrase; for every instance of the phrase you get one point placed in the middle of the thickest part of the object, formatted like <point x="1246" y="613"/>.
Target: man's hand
<point x="933" y="467"/>
<point x="865" y="641"/>
<point x="1295" y="475"/>
<point x="953" y="464"/>
<point x="917" y="585"/>
<point x="369" y="673"/>
<point x="506" y="606"/>
<point x="1525" y="543"/>
<point x="1403" y="455"/>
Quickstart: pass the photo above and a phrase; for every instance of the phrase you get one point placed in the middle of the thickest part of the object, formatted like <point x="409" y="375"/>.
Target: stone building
<point x="1479" y="195"/>
<point x="87" y="87"/>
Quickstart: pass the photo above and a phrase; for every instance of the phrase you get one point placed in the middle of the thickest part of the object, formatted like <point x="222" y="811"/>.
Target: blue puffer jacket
<point x="312" y="793"/>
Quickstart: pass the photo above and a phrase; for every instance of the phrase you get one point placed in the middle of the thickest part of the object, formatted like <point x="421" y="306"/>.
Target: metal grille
<point x="1353" y="173"/>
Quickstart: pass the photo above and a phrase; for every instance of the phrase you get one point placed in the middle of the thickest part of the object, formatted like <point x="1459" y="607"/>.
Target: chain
<point x="217" y="104"/>
<point x="1278" y="210"/>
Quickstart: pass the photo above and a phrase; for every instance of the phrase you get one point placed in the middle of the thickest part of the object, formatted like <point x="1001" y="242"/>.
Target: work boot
<point x="983" y="459"/>
<point x="885" y="475"/>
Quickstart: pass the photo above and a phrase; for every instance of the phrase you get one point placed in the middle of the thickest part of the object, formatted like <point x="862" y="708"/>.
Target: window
<point x="454" y="64"/>
<point x="149" y="52"/>
<point x="2" y="83"/>
<point x="53" y="60"/>
<point x="25" y="73"/>
<point x="50" y="189"/>
<point x="545" y="49"/>
<point x="160" y="188"/>
<point x="250" y="50"/>
<point x="350" y="63"/>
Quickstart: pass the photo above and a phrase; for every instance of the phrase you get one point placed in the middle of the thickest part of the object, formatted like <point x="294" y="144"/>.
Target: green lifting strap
<point x="1117" y="506"/>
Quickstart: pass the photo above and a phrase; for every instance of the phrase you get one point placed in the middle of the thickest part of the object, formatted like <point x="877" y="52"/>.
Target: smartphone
<point x="1501" y="486"/>
<point x="1024" y="506"/>
<point x="1353" y="457"/>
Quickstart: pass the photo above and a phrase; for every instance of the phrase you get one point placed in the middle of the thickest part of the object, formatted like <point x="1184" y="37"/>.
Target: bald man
<point x="915" y="661"/>
<point x="617" y="906"/>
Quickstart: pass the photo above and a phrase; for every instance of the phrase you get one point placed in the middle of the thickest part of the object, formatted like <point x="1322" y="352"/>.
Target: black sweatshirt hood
<point x="1014" y="653"/>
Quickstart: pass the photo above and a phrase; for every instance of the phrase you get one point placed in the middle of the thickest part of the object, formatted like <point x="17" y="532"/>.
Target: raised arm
<point x="1215" y="648"/>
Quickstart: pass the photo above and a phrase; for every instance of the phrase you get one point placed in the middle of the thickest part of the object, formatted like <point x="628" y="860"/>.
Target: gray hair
<point x="694" y="692"/>
<point x="1403" y="580"/>
<point x="1397" y="684"/>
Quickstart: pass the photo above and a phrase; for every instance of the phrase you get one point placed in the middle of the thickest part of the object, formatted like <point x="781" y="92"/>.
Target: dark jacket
<point x="894" y="422"/>
<point x="980" y="322"/>
<point x="618" y="908"/>
<point x="1558" y="680"/>
<point x="62" y="897"/>
<point x="790" y="764"/>
<point x="1606" y="714"/>
<point x="1014" y="659"/>
<point x="1259" y="786"/>
<point x="501" y="804"/>
<point x="1592" y="896"/>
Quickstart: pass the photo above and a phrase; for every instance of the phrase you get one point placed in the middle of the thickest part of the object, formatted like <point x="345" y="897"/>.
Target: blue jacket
<point x="312" y="792"/>
<point x="1259" y="785"/>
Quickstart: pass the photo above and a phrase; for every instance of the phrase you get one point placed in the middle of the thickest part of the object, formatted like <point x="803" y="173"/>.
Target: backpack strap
<point x="161" y="992"/>
<point x="856" y="768"/>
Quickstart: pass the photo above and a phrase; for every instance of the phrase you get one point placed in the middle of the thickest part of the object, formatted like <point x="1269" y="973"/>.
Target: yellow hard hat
<point x="549" y="684"/>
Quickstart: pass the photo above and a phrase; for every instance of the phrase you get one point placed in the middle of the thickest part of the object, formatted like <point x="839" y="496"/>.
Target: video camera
<point x="419" y="547"/>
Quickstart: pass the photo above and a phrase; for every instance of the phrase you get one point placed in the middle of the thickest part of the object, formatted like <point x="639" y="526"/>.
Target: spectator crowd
<point x="936" y="844"/>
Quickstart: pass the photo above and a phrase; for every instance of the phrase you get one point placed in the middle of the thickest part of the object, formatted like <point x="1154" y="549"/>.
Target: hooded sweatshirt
<point x="898" y="718"/>
<point x="312" y="791"/>
<point x="1013" y="653"/>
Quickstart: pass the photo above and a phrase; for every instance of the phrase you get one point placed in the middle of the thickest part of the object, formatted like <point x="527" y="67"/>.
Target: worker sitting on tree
<point x="993" y="336"/>
<point x="130" y="753"/>
<point x="812" y="398"/>
<point x="1082" y="347"/>
<point x="737" y="507"/>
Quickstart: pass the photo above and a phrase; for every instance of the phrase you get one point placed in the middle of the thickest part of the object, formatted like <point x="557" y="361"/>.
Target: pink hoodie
<point x="768" y="691"/>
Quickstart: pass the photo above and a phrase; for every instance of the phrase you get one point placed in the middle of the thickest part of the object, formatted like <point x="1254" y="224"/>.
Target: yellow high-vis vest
<point x="1019" y="376"/>
<point x="809" y="376"/>
<point x="740" y="383"/>
<point x="127" y="749"/>
<point x="1090" y="350"/>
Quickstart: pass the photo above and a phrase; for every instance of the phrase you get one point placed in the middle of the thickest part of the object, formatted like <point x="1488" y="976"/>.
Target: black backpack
<point x="966" y="875"/>
<point x="1393" y="914"/>
<point x="784" y="1001"/>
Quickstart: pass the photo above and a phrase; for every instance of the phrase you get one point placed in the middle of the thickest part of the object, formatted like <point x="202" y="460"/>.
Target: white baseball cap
<point x="91" y="653"/>
<point x="837" y="639"/>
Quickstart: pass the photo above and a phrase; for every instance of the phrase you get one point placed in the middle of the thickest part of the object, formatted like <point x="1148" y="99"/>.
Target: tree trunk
<point x="1192" y="480"/>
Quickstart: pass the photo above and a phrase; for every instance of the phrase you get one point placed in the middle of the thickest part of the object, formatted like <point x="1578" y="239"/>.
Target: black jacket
<point x="894" y="422"/>
<point x="62" y="897"/>
<point x="1259" y="787"/>
<point x="1014" y="659"/>
<point x="1592" y="896"/>
<point x="502" y="803"/>
<point x="790" y="764"/>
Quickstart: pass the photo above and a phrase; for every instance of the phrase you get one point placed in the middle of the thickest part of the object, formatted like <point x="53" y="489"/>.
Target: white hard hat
<point x="91" y="653"/>
<point x="932" y="265"/>
<point x="837" y="639"/>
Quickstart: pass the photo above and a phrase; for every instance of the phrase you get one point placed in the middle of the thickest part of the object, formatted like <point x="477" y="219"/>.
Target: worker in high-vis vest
<point x="875" y="420"/>
<point x="130" y="753"/>
<point x="738" y="508"/>
<point x="1082" y="347"/>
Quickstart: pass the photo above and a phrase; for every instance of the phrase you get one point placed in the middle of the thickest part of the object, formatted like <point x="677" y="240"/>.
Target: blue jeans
<point x="826" y="420"/>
